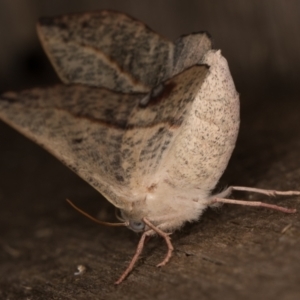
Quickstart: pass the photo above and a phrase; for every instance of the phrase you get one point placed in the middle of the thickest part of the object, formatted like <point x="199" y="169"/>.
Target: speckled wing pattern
<point x="112" y="50"/>
<point x="98" y="123"/>
<point x="106" y="137"/>
<point x="106" y="48"/>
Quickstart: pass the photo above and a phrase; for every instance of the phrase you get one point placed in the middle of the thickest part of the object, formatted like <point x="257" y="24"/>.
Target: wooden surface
<point x="231" y="253"/>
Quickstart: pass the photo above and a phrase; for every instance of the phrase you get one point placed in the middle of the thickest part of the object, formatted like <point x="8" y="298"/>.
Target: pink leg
<point x="220" y="198"/>
<point x="138" y="252"/>
<point x="255" y="203"/>
<point x="140" y="247"/>
<point x="167" y="239"/>
<point x="259" y="191"/>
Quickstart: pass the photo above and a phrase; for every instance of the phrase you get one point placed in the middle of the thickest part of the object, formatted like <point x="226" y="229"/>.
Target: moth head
<point x="165" y="207"/>
<point x="133" y="224"/>
<point x="137" y="226"/>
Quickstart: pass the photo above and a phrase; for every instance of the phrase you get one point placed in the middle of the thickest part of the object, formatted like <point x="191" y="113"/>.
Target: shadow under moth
<point x="149" y="123"/>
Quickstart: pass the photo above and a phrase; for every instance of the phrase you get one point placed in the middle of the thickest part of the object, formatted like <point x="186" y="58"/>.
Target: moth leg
<point x="271" y="193"/>
<point x="166" y="238"/>
<point x="255" y="204"/>
<point x="138" y="252"/>
<point x="219" y="198"/>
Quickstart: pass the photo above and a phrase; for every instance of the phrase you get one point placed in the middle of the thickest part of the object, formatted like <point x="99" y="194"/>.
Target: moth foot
<point x="169" y="253"/>
<point x="167" y="239"/>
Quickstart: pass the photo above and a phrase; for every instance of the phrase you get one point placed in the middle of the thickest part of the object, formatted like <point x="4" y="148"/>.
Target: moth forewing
<point x="72" y="123"/>
<point x="106" y="49"/>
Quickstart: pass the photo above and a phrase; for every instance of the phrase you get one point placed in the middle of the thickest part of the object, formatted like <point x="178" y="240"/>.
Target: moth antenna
<point x="94" y="219"/>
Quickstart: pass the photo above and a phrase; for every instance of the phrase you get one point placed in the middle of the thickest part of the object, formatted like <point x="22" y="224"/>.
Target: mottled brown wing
<point x="156" y="126"/>
<point x="107" y="138"/>
<point x="106" y="49"/>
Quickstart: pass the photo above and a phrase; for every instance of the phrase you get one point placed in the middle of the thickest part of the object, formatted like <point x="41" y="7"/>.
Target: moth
<point x="149" y="123"/>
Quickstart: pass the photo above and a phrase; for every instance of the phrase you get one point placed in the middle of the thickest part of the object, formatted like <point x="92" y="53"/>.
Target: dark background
<point x="231" y="253"/>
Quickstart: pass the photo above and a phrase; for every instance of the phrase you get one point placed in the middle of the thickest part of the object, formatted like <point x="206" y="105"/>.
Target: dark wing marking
<point x="106" y="49"/>
<point x="107" y="138"/>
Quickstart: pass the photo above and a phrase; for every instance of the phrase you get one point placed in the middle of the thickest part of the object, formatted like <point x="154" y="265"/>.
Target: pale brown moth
<point x="149" y="123"/>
